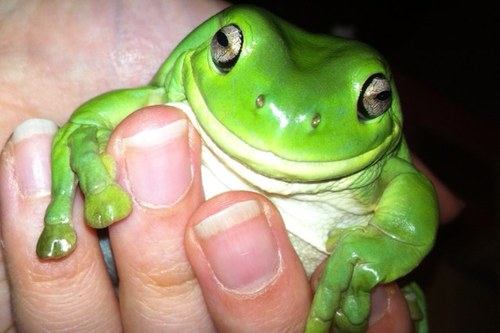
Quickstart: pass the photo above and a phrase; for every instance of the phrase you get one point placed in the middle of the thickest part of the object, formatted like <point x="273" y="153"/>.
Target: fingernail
<point x="240" y="247"/>
<point x="31" y="142"/>
<point x="379" y="301"/>
<point x="158" y="164"/>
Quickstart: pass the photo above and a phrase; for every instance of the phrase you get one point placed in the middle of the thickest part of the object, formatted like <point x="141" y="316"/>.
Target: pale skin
<point x="149" y="298"/>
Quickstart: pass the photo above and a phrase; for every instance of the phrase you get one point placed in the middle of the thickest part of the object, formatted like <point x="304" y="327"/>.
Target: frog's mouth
<point x="233" y="151"/>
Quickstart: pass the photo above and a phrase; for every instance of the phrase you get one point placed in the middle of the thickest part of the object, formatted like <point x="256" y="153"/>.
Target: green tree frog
<point x="311" y="121"/>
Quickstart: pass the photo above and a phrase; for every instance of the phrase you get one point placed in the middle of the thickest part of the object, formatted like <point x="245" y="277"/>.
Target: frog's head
<point x="289" y="104"/>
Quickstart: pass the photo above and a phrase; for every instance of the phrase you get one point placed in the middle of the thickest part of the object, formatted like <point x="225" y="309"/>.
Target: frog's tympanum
<point x="311" y="121"/>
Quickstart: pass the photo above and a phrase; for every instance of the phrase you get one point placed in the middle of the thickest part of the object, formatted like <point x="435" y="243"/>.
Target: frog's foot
<point x="56" y="241"/>
<point x="353" y="314"/>
<point x="415" y="300"/>
<point x="107" y="206"/>
<point x="337" y="304"/>
<point x="342" y="299"/>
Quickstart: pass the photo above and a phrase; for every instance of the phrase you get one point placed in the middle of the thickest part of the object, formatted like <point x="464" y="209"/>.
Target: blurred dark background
<point x="447" y="66"/>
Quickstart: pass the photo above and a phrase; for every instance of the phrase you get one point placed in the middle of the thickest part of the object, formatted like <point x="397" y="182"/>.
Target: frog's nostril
<point x="260" y="101"/>
<point x="316" y="119"/>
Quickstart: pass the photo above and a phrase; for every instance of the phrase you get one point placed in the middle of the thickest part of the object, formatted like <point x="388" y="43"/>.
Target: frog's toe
<point x="344" y="324"/>
<point x="56" y="241"/>
<point x="107" y="206"/>
<point x="356" y="307"/>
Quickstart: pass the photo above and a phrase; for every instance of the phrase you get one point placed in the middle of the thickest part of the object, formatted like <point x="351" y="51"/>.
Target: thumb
<point x="250" y="276"/>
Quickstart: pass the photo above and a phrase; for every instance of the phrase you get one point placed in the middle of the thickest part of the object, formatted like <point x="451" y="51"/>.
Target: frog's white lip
<point x="271" y="165"/>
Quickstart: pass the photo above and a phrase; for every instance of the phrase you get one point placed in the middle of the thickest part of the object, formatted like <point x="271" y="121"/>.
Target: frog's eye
<point x="375" y="98"/>
<point x="226" y="47"/>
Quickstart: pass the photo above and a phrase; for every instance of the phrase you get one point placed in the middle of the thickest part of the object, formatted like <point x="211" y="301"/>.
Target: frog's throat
<point x="257" y="162"/>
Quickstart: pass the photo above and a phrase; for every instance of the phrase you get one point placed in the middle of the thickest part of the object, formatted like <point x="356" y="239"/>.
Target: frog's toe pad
<point x="56" y="241"/>
<point x="345" y="324"/>
<point x="107" y="206"/>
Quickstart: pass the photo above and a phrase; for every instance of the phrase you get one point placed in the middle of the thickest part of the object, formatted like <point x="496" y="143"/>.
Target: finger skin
<point x="391" y="314"/>
<point x="47" y="295"/>
<point x="450" y="206"/>
<point x="157" y="154"/>
<point x="119" y="44"/>
<point x="279" y="302"/>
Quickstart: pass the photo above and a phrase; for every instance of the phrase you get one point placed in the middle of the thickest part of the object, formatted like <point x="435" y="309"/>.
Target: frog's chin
<point x="235" y="152"/>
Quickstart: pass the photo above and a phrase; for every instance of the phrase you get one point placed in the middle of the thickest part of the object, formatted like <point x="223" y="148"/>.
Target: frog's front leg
<point x="78" y="153"/>
<point x="399" y="234"/>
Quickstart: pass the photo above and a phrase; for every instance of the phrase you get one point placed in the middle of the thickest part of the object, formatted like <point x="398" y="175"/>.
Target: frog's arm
<point x="77" y="151"/>
<point x="77" y="156"/>
<point x="399" y="234"/>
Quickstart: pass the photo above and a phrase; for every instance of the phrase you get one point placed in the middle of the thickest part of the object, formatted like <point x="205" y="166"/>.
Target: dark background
<point x="447" y="66"/>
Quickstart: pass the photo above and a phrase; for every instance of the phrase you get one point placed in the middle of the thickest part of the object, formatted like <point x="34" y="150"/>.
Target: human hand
<point x="58" y="54"/>
<point x="247" y="278"/>
<point x="156" y="285"/>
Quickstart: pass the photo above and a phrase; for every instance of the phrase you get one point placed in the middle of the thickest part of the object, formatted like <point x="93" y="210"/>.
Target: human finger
<point x="251" y="278"/>
<point x="47" y="295"/>
<point x="450" y="204"/>
<point x="389" y="311"/>
<point x="157" y="154"/>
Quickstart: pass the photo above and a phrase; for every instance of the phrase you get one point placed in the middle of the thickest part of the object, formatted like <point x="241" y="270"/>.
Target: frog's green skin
<point x="308" y="119"/>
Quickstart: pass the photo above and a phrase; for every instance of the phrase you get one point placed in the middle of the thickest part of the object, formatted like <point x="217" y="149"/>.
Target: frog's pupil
<point x="222" y="39"/>
<point x="384" y="95"/>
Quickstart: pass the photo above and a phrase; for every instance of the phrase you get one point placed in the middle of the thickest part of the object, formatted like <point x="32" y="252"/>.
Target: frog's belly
<point x="309" y="218"/>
